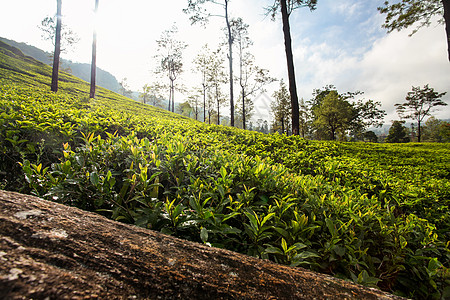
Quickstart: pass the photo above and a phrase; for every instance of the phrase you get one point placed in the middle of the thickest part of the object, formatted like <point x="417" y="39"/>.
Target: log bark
<point x="51" y="251"/>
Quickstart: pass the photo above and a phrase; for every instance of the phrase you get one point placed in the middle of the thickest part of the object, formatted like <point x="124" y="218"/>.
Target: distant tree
<point x="68" y="37"/>
<point x="419" y="104"/>
<point x="185" y="109"/>
<point x="201" y="65"/>
<point x="366" y="113"/>
<point x="252" y="79"/>
<point x="281" y="109"/>
<point x="156" y="97"/>
<point x="262" y="126"/>
<point x="201" y="15"/>
<point x="287" y="7"/>
<point x="334" y="114"/>
<point x="397" y="133"/>
<point x="241" y="37"/>
<point x="265" y="127"/>
<point x="370" y="136"/>
<point x="94" y="57"/>
<point x="194" y="101"/>
<point x="347" y="115"/>
<point x="403" y="14"/>
<point x="62" y="38"/>
<point x="210" y="99"/>
<point x="444" y="132"/>
<point x="434" y="131"/>
<point x="125" y="88"/>
<point x="145" y="94"/>
<point x="315" y="102"/>
<point x="151" y="94"/>
<point x="170" y="57"/>
<point x="216" y="77"/>
<point x="304" y="118"/>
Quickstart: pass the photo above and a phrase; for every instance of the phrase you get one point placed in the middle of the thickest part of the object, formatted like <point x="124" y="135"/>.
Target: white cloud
<point x="398" y="62"/>
<point x="385" y="72"/>
<point x="346" y="8"/>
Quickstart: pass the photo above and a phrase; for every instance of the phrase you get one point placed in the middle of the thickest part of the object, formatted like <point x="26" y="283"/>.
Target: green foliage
<point x="406" y="13"/>
<point x="397" y="133"/>
<point x="419" y="104"/>
<point x="335" y="115"/>
<point x="281" y="109"/>
<point x="376" y="214"/>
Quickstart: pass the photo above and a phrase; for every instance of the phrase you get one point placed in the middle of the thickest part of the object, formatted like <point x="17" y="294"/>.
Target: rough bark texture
<point x="51" y="251"/>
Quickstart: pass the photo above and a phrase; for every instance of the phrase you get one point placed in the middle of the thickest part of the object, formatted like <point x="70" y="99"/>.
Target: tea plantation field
<point x="375" y="214"/>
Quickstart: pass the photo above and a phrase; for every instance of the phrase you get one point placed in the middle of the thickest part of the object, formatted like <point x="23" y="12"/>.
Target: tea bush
<point x="375" y="214"/>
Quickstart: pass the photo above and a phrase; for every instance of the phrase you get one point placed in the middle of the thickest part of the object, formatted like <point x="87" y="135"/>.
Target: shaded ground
<point x="52" y="251"/>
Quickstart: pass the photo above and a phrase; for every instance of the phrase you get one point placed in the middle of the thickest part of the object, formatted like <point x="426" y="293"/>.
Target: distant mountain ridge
<point x="80" y="70"/>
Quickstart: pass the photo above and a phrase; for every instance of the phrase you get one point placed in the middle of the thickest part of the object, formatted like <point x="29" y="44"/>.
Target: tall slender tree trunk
<point x="94" y="57"/>
<point x="170" y="97"/>
<point x="173" y="96"/>
<point x="204" y="103"/>
<point x="230" y="60"/>
<point x="447" y="23"/>
<point x="419" y="131"/>
<point x="243" y="107"/>
<point x="218" y="104"/>
<point x="290" y="65"/>
<point x="57" y="52"/>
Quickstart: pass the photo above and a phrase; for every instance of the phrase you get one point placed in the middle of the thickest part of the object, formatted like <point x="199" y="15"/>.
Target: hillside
<point x="80" y="70"/>
<point x="370" y="213"/>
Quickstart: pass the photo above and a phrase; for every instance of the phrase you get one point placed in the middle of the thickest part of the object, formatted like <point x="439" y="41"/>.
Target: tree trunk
<point x="94" y="57"/>
<point x="447" y="23"/>
<point x="290" y="66"/>
<point x="57" y="52"/>
<point x="218" y="105"/>
<point x="170" y="95"/>
<point x="52" y="251"/>
<point x="419" y="131"/>
<point x="173" y="97"/>
<point x="243" y="107"/>
<point x="230" y="60"/>
<point x="204" y="103"/>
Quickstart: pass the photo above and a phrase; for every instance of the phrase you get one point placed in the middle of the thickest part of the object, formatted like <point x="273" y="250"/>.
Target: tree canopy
<point x="406" y="13"/>
<point x="397" y="133"/>
<point x="199" y="14"/>
<point x="419" y="104"/>
<point x="170" y="57"/>
<point x="281" y="109"/>
<point x="335" y="113"/>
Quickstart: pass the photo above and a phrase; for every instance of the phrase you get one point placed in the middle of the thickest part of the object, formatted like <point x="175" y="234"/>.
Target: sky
<point x="340" y="43"/>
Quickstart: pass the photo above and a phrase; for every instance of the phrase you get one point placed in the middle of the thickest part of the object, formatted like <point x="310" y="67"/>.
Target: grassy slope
<point x="376" y="214"/>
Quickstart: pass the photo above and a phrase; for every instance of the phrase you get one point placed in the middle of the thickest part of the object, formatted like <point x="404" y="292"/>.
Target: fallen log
<point x="52" y="251"/>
